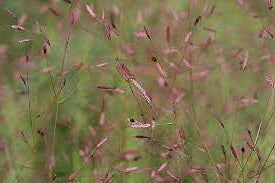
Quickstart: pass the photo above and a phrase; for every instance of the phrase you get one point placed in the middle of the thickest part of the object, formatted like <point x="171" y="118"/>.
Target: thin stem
<point x="258" y="132"/>
<point x="66" y="45"/>
<point x="51" y="78"/>
<point x="29" y="98"/>
<point x="262" y="168"/>
<point x="208" y="152"/>
<point x="139" y="106"/>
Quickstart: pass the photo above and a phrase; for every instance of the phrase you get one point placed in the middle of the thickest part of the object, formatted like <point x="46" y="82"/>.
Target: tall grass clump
<point x="137" y="91"/>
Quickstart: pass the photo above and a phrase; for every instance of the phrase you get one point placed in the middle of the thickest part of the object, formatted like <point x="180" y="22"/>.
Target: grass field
<point x="137" y="91"/>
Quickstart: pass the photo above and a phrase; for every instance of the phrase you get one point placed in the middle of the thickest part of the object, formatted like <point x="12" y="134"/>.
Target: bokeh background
<point x="209" y="83"/>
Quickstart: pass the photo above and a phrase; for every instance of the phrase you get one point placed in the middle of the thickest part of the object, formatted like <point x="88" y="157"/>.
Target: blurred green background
<point x="44" y="138"/>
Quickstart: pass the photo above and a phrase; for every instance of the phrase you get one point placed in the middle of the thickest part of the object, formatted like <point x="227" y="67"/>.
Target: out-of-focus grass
<point x="78" y="122"/>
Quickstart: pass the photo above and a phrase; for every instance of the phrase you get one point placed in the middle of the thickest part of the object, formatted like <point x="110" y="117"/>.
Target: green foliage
<point x="51" y="122"/>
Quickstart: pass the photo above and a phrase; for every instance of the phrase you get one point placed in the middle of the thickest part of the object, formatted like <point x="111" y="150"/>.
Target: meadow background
<point x="196" y="103"/>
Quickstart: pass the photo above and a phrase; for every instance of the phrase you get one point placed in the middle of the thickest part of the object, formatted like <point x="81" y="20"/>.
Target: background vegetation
<point x="195" y="105"/>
